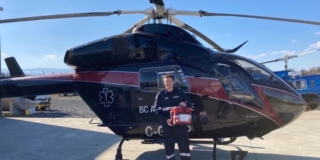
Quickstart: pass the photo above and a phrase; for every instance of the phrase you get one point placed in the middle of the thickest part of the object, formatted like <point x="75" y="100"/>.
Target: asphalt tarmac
<point x="34" y="138"/>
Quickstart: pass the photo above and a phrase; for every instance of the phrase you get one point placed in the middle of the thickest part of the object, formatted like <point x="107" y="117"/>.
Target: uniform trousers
<point x="176" y="134"/>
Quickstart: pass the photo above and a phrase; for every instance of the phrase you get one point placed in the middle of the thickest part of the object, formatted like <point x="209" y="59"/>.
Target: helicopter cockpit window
<point x="260" y="76"/>
<point x="148" y="80"/>
<point x="152" y="79"/>
<point x="300" y="84"/>
<point x="236" y="83"/>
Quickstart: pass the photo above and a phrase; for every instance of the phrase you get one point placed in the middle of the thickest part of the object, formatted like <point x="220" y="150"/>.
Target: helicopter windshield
<point x="238" y="75"/>
<point x="262" y="75"/>
<point x="237" y="83"/>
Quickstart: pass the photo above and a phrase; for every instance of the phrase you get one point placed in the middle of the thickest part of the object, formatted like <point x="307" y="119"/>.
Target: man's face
<point x="168" y="83"/>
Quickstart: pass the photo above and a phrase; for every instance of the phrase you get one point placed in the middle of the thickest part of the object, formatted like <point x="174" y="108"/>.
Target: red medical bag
<point x="180" y="115"/>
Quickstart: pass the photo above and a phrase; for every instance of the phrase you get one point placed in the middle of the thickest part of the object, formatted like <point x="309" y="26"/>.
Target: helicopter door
<point x="150" y="84"/>
<point x="151" y="78"/>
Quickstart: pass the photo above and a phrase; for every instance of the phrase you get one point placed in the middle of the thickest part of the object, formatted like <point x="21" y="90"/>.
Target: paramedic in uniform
<point x="164" y="101"/>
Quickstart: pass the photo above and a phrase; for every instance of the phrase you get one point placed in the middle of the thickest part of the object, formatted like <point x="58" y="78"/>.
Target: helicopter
<point x="119" y="76"/>
<point x="306" y="85"/>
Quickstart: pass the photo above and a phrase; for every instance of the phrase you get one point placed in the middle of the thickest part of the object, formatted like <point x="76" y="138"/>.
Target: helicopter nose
<point x="287" y="106"/>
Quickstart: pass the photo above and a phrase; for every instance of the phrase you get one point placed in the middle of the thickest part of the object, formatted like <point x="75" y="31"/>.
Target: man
<point x="164" y="101"/>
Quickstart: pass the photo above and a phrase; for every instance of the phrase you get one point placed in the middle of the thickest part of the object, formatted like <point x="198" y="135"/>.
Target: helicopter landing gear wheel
<point x="119" y="154"/>
<point x="224" y="141"/>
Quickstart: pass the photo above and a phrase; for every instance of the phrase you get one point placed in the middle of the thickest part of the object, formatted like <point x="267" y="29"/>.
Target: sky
<point x="44" y="43"/>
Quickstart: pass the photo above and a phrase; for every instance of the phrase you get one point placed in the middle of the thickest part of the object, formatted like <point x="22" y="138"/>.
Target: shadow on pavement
<point x="26" y="140"/>
<point x="199" y="152"/>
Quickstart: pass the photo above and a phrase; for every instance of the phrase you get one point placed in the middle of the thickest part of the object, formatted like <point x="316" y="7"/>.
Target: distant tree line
<point x="313" y="70"/>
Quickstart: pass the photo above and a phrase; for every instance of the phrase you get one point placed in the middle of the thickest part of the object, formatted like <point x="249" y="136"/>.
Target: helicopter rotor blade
<point x="71" y="15"/>
<point x="186" y="26"/>
<point x="144" y="20"/>
<point x="174" y="12"/>
<point x="148" y="12"/>
<point x="204" y="13"/>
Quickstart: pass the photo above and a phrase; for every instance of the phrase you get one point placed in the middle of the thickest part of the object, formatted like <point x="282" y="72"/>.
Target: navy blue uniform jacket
<point x="165" y="100"/>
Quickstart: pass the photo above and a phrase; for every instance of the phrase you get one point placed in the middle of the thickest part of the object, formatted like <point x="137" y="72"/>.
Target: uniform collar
<point x="174" y="89"/>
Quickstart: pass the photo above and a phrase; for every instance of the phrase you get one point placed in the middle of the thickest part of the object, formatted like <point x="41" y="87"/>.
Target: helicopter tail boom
<point x="36" y="85"/>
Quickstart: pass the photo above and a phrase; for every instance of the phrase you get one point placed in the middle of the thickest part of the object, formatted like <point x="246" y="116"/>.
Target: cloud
<point x="256" y="57"/>
<point x="228" y="34"/>
<point x="294" y="40"/>
<point x="280" y="52"/>
<point x="313" y="46"/>
<point x="317" y="33"/>
<point x="3" y="55"/>
<point x="259" y="56"/>
<point x="49" y="57"/>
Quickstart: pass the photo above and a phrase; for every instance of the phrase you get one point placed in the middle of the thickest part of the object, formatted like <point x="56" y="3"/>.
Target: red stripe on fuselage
<point x="268" y="110"/>
<point x="58" y="77"/>
<point x="114" y="77"/>
<point x="207" y="87"/>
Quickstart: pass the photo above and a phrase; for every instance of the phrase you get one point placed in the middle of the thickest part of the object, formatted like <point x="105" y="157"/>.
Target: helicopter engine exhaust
<point x="100" y="53"/>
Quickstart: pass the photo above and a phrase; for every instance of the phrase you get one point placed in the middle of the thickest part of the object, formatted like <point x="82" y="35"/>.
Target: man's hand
<point x="169" y="122"/>
<point x="183" y="104"/>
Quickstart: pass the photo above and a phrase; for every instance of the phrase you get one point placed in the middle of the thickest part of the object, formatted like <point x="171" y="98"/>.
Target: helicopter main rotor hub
<point x="159" y="12"/>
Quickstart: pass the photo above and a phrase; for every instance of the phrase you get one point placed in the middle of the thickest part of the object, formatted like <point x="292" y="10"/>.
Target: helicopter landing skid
<point x="242" y="154"/>
<point x="215" y="149"/>
<point x="119" y="154"/>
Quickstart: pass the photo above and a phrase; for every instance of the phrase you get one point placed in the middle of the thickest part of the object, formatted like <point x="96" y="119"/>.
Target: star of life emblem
<point x="106" y="97"/>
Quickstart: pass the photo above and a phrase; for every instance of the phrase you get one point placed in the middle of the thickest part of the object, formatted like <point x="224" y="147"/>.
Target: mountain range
<point x="41" y="71"/>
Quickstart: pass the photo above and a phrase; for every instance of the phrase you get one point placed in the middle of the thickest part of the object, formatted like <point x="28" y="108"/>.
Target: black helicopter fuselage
<point x="119" y="76"/>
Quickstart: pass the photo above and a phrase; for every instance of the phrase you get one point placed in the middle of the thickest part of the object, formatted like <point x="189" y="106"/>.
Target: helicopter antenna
<point x="287" y="57"/>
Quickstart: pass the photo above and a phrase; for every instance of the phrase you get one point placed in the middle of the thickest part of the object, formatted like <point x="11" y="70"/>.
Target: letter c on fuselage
<point x="149" y="134"/>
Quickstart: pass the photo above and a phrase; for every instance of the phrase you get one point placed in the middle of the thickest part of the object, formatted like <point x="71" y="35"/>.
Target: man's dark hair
<point x="168" y="76"/>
